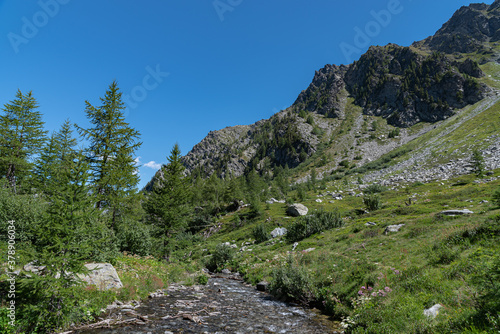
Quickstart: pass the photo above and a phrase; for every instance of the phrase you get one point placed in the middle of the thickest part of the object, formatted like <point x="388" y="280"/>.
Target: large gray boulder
<point x="297" y="210"/>
<point x="102" y="275"/>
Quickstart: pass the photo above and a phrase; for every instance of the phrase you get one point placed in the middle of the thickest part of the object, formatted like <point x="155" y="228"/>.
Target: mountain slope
<point x="348" y="112"/>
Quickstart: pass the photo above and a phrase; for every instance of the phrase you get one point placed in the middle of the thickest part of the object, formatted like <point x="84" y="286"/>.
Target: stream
<point x="224" y="305"/>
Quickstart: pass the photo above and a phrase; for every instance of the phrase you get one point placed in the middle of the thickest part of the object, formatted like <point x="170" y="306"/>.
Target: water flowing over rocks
<point x="222" y="306"/>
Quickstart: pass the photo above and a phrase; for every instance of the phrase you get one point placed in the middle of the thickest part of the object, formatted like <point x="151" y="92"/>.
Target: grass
<point x="355" y="255"/>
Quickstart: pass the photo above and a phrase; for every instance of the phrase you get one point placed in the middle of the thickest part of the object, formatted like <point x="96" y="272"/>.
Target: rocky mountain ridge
<point x="426" y="82"/>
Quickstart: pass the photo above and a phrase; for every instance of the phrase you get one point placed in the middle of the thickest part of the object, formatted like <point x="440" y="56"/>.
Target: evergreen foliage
<point x="112" y="145"/>
<point x="168" y="204"/>
<point x="21" y="137"/>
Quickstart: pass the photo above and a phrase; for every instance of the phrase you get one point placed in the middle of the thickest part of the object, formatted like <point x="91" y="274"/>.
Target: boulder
<point x="456" y="212"/>
<point x="102" y="275"/>
<point x="319" y="201"/>
<point x="433" y="311"/>
<point x="393" y="228"/>
<point x="278" y="232"/>
<point x="263" y="286"/>
<point x="296" y="210"/>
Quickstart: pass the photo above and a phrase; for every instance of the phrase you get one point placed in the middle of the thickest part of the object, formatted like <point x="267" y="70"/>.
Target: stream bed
<point x="224" y="305"/>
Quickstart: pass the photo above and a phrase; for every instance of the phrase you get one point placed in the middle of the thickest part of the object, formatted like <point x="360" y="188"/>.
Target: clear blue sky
<point x="217" y="63"/>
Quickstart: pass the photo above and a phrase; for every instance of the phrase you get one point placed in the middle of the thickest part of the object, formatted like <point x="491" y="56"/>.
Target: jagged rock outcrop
<point x="470" y="28"/>
<point x="407" y="87"/>
<point x="324" y="94"/>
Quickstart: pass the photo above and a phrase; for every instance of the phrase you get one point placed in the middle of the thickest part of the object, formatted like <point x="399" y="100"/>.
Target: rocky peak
<point x="467" y="31"/>
<point x="322" y="95"/>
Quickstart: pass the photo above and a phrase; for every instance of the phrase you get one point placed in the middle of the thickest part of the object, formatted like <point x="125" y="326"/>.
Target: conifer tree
<point x="63" y="244"/>
<point x="21" y="137"/>
<point x="55" y="157"/>
<point x="167" y="205"/>
<point x="111" y="153"/>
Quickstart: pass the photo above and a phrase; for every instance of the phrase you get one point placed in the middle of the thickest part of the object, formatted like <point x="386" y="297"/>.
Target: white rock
<point x="433" y="311"/>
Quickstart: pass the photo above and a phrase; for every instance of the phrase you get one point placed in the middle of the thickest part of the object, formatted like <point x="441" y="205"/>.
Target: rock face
<point x="323" y="96"/>
<point x="468" y="30"/>
<point x="297" y="210"/>
<point x="102" y="275"/>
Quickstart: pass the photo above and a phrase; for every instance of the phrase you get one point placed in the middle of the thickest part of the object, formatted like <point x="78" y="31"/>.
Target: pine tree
<point x="167" y="205"/>
<point x="55" y="157"/>
<point x="63" y="244"/>
<point x="111" y="153"/>
<point x="21" y="137"/>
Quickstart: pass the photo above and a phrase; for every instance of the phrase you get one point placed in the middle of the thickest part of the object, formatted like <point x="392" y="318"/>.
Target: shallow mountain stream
<point x="222" y="306"/>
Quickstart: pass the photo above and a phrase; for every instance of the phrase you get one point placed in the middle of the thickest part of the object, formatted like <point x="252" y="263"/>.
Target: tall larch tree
<point x="55" y="157"/>
<point x="21" y="137"/>
<point x="168" y="203"/>
<point x="112" y="145"/>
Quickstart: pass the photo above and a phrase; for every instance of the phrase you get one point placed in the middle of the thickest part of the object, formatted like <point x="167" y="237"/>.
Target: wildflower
<point x="361" y="293"/>
<point x="370" y="288"/>
<point x="397" y="272"/>
<point x="387" y="289"/>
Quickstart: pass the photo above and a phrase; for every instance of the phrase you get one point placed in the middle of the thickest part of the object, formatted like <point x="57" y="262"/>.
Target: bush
<point x="291" y="282"/>
<point x="374" y="189"/>
<point x="202" y="279"/>
<point x="221" y="256"/>
<point x="26" y="210"/>
<point x="372" y="202"/>
<point x="319" y="221"/>
<point x="255" y="208"/>
<point x="394" y="133"/>
<point x="478" y="163"/>
<point x="260" y="234"/>
<point x="496" y="197"/>
<point x="134" y="238"/>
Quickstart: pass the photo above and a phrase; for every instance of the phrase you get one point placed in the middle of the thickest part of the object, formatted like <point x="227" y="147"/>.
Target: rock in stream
<point x="222" y="306"/>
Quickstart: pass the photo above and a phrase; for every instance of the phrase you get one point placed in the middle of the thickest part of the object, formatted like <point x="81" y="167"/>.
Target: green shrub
<point x="496" y="198"/>
<point x="260" y="234"/>
<point x="344" y="163"/>
<point x="291" y="282"/>
<point x="134" y="238"/>
<point x="372" y="202"/>
<point x="310" y="119"/>
<point x="374" y="188"/>
<point x="202" y="279"/>
<point x="319" y="221"/>
<point x="478" y="163"/>
<point x="394" y="133"/>
<point x="255" y="208"/>
<point x="220" y="257"/>
<point x="26" y="210"/>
